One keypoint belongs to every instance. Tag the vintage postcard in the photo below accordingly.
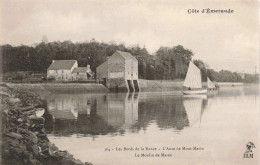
(129, 82)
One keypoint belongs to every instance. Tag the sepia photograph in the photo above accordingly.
(129, 82)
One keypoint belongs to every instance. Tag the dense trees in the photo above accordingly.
(221, 76)
(172, 63)
(168, 63)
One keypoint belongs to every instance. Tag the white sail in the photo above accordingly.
(210, 83)
(193, 77)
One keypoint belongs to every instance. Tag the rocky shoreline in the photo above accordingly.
(24, 140)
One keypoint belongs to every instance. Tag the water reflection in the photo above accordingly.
(118, 110)
(68, 106)
(194, 106)
(155, 120)
(103, 114)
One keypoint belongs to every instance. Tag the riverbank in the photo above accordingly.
(24, 140)
(61, 87)
(176, 86)
(145, 86)
(160, 85)
(230, 83)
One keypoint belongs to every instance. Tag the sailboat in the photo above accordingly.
(212, 88)
(210, 84)
(193, 81)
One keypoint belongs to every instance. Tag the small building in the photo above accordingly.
(68, 70)
(119, 72)
(61, 70)
(82, 73)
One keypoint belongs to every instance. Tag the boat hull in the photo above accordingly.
(194, 92)
(196, 96)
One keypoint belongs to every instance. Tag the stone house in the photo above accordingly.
(119, 72)
(82, 73)
(68, 70)
(61, 70)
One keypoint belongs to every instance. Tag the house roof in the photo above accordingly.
(103, 65)
(80, 70)
(62, 64)
(126, 55)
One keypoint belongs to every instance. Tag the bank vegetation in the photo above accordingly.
(167, 63)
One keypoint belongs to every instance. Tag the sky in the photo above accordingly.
(223, 41)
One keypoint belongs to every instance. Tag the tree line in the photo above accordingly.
(168, 63)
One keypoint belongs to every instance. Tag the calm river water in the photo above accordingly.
(156, 128)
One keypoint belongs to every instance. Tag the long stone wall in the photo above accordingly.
(62, 87)
(113, 85)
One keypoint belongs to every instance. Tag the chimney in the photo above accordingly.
(53, 61)
(88, 66)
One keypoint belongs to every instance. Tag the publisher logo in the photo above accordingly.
(249, 152)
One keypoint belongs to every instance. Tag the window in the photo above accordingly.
(77, 73)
